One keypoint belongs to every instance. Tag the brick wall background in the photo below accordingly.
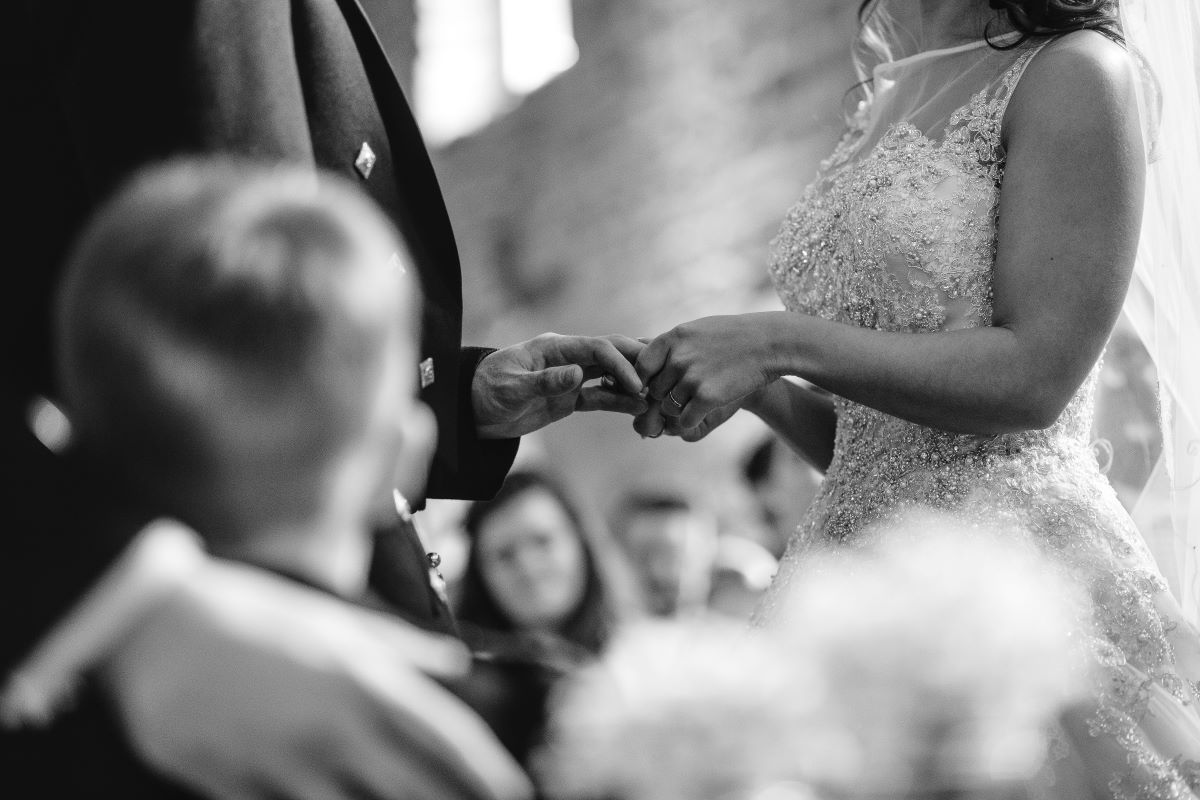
(640, 189)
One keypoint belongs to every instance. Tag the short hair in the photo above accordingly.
(643, 501)
(219, 316)
(652, 500)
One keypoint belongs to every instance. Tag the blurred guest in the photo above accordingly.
(670, 544)
(784, 485)
(537, 567)
(538, 598)
(238, 351)
(742, 571)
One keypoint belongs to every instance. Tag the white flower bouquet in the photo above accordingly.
(935, 661)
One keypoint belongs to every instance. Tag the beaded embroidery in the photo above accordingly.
(904, 239)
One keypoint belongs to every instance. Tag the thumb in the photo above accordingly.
(556, 381)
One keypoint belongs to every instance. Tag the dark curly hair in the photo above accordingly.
(1036, 19)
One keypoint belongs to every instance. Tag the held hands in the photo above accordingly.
(527, 386)
(698, 374)
(686, 382)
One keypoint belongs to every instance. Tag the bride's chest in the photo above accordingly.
(902, 238)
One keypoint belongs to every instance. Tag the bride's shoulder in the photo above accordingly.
(1076, 80)
(1080, 53)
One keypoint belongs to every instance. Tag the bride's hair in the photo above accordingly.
(1047, 18)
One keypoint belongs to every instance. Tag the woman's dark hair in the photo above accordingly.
(590, 625)
(1036, 19)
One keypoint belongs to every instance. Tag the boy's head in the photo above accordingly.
(240, 343)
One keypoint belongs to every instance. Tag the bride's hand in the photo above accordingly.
(654, 423)
(702, 371)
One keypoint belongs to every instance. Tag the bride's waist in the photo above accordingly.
(872, 439)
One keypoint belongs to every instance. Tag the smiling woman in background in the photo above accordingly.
(538, 579)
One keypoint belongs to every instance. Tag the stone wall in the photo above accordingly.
(640, 189)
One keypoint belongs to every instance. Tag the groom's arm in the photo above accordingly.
(480, 464)
(504, 394)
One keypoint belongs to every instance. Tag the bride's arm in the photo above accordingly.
(1070, 210)
(802, 417)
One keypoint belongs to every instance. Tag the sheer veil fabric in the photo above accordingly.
(939, 74)
(1164, 299)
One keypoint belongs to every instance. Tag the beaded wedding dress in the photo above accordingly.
(898, 233)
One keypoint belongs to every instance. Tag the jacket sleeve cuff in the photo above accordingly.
(482, 463)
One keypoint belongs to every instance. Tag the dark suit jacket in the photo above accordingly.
(91, 91)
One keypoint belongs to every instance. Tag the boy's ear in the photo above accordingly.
(414, 443)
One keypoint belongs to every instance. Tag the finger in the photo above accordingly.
(610, 359)
(673, 403)
(629, 350)
(652, 359)
(557, 381)
(710, 423)
(671, 427)
(699, 408)
(628, 347)
(650, 424)
(696, 409)
(667, 380)
(598, 398)
(697, 433)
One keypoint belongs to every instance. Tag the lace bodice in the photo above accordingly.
(903, 238)
(898, 233)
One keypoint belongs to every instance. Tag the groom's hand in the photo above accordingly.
(527, 386)
(654, 423)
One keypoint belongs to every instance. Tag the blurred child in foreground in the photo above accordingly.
(264, 336)
(238, 348)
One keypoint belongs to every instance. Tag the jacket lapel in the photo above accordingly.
(415, 171)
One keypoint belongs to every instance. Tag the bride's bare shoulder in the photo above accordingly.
(1075, 83)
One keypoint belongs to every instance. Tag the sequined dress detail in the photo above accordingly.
(900, 236)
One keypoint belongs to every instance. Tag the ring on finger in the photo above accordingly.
(672, 398)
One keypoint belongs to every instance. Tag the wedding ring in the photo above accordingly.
(671, 397)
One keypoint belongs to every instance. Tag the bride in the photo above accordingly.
(950, 281)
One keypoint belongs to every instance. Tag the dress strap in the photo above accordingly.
(1008, 83)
